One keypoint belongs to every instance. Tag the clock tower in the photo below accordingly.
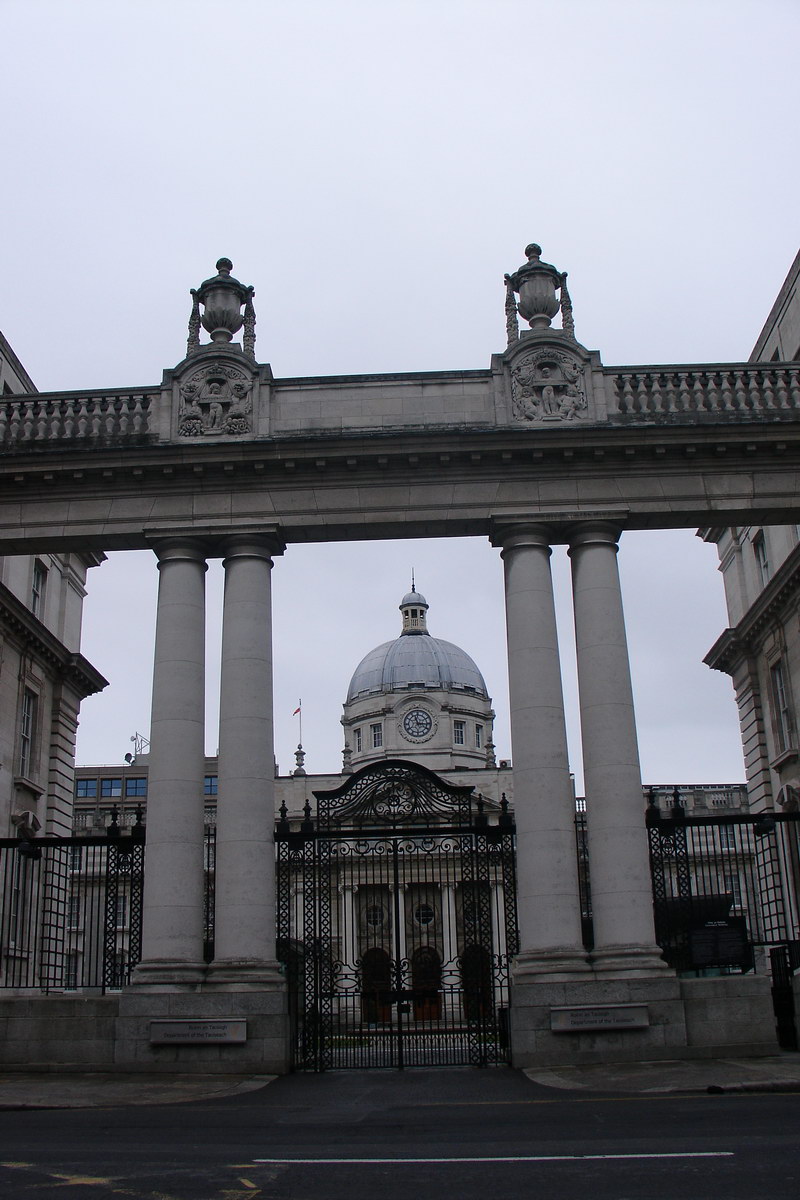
(420, 698)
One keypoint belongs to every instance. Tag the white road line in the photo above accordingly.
(511, 1158)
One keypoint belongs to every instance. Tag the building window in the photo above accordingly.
(75, 858)
(781, 710)
(727, 837)
(71, 971)
(27, 727)
(120, 914)
(732, 885)
(478, 736)
(359, 741)
(74, 912)
(459, 732)
(762, 562)
(110, 789)
(376, 733)
(86, 789)
(136, 787)
(210, 785)
(38, 584)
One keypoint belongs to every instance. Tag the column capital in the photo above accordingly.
(516, 534)
(181, 549)
(594, 533)
(252, 545)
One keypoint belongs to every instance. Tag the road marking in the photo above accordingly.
(510, 1158)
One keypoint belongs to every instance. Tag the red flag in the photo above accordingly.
(296, 711)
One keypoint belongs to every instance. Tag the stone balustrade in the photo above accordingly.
(69, 416)
(738, 391)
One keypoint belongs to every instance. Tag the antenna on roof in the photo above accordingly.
(413, 587)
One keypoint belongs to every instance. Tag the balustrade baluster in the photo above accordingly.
(68, 427)
(94, 409)
(794, 387)
(56, 410)
(656, 397)
(767, 390)
(40, 431)
(4, 415)
(712, 398)
(739, 391)
(753, 391)
(727, 392)
(28, 418)
(699, 393)
(139, 414)
(82, 417)
(123, 422)
(669, 380)
(625, 402)
(684, 392)
(642, 396)
(16, 419)
(109, 409)
(781, 387)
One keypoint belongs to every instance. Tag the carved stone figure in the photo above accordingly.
(215, 399)
(547, 385)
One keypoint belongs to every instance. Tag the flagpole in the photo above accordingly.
(300, 715)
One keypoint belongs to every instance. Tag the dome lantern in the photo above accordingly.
(414, 607)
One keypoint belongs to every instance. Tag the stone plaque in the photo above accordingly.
(599, 1017)
(186, 1032)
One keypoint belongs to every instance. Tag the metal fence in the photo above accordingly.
(70, 912)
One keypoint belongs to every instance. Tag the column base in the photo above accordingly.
(244, 975)
(628, 962)
(165, 975)
(555, 965)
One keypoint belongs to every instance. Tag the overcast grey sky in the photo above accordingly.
(373, 169)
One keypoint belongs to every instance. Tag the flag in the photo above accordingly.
(296, 711)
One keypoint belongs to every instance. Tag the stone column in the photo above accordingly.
(172, 934)
(544, 805)
(619, 871)
(244, 928)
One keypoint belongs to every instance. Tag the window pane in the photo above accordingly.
(135, 787)
(86, 788)
(210, 785)
(110, 787)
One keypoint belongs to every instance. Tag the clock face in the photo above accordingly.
(417, 723)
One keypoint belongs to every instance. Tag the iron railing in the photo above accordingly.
(70, 912)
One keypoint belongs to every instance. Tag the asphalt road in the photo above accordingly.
(469, 1135)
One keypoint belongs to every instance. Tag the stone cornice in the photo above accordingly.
(36, 639)
(735, 644)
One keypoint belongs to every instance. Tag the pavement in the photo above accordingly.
(111, 1089)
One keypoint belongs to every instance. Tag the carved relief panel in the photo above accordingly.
(548, 384)
(216, 399)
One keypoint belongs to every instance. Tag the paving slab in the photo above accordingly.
(99, 1089)
(771, 1073)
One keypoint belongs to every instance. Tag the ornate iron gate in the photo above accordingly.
(396, 923)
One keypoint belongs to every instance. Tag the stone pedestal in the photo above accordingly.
(595, 1021)
(205, 1031)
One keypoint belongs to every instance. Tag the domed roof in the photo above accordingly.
(414, 597)
(416, 661)
(409, 662)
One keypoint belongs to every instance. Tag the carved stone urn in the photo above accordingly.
(536, 283)
(222, 298)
